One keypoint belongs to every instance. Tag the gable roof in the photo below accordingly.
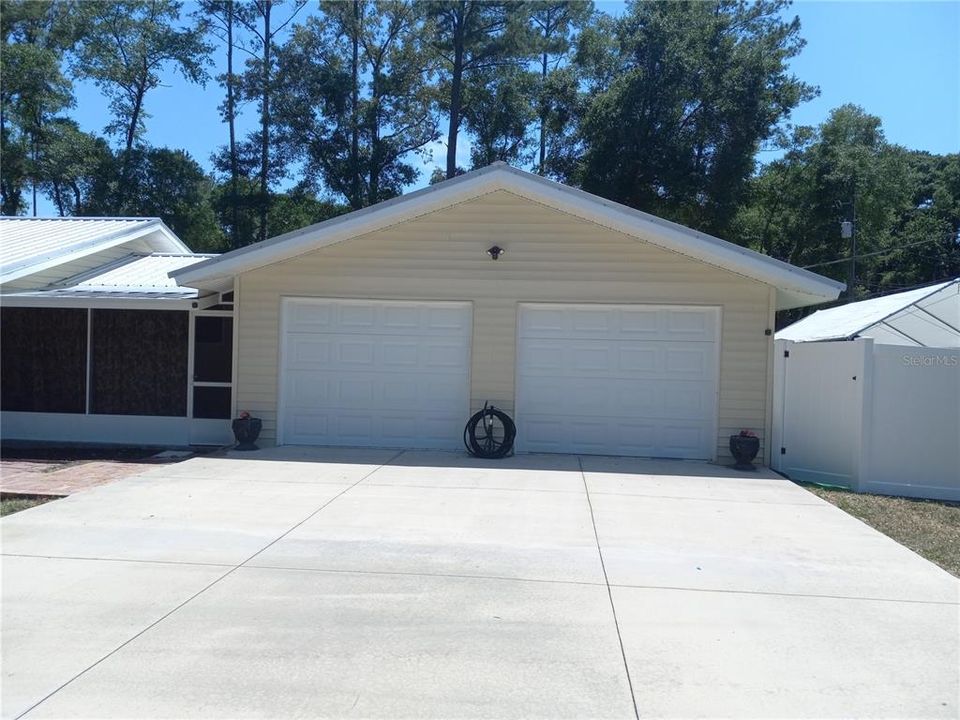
(29, 245)
(795, 287)
(925, 317)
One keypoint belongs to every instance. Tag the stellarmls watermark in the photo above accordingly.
(931, 360)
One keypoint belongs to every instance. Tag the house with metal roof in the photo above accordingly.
(602, 329)
(99, 344)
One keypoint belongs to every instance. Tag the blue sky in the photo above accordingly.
(899, 60)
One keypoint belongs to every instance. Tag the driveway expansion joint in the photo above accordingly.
(473, 487)
(710, 499)
(398, 573)
(117, 559)
(771, 593)
(201, 591)
(606, 580)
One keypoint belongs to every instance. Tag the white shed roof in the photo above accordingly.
(133, 277)
(29, 245)
(925, 317)
(795, 287)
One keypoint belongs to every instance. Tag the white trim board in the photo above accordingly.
(106, 302)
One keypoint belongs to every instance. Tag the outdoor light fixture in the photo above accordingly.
(495, 252)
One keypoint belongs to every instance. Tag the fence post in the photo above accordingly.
(778, 433)
(864, 395)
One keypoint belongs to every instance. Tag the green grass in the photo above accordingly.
(16, 504)
(928, 527)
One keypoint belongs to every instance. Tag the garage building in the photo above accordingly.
(600, 328)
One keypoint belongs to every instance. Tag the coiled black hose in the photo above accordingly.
(489, 433)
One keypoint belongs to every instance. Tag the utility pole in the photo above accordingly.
(848, 230)
(853, 247)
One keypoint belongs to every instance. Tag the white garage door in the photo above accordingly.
(374, 373)
(618, 379)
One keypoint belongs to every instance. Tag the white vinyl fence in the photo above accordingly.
(873, 418)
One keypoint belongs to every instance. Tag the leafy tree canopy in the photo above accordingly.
(684, 93)
(906, 205)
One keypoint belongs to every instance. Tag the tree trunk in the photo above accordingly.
(356, 199)
(231, 121)
(76, 198)
(456, 90)
(373, 194)
(265, 121)
(543, 114)
(128, 149)
(33, 173)
(58, 198)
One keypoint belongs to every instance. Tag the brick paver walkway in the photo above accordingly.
(58, 477)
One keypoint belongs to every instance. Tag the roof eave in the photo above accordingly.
(170, 243)
(105, 301)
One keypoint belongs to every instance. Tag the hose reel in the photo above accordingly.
(489, 433)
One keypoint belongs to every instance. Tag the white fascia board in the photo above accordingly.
(795, 286)
(107, 303)
(168, 243)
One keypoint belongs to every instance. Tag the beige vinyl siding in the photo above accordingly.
(550, 257)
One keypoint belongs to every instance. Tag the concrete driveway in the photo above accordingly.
(365, 583)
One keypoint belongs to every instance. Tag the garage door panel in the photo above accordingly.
(401, 354)
(646, 322)
(640, 358)
(577, 359)
(373, 317)
(370, 392)
(304, 317)
(617, 379)
(309, 390)
(615, 437)
(304, 352)
(537, 356)
(306, 425)
(639, 323)
(355, 353)
(689, 325)
(374, 353)
(375, 373)
(406, 429)
(678, 439)
(619, 398)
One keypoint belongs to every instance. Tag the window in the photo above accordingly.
(211, 402)
(139, 362)
(43, 359)
(212, 366)
(213, 349)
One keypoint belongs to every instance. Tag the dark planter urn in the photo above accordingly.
(246, 430)
(744, 449)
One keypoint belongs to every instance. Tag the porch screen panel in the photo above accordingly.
(139, 362)
(43, 359)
